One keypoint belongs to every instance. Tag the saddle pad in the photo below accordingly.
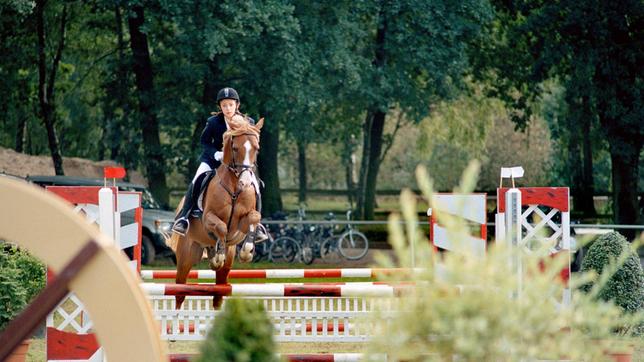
(202, 181)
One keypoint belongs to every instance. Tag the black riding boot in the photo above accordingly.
(260, 232)
(181, 222)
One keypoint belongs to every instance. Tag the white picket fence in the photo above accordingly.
(295, 319)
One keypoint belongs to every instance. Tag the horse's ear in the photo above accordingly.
(260, 123)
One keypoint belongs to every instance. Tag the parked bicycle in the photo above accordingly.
(284, 248)
(351, 244)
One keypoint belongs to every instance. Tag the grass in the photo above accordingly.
(37, 349)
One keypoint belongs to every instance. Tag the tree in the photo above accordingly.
(142, 68)
(418, 55)
(46, 83)
(594, 49)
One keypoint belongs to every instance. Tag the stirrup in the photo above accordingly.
(260, 233)
(178, 226)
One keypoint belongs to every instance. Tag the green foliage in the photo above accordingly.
(479, 308)
(33, 273)
(625, 287)
(13, 293)
(22, 276)
(241, 333)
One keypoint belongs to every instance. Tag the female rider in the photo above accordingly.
(212, 142)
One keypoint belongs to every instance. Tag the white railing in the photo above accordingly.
(296, 319)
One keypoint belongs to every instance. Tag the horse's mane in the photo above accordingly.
(238, 127)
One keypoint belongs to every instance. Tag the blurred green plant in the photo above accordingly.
(480, 308)
(22, 276)
(241, 333)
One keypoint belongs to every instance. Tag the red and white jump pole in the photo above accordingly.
(277, 290)
(279, 273)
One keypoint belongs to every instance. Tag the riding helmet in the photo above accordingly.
(227, 93)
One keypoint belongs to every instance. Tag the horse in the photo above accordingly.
(229, 211)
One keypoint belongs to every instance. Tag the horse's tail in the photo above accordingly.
(172, 239)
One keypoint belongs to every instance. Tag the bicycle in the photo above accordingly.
(351, 244)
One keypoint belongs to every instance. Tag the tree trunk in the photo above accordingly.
(301, 166)
(364, 165)
(575, 170)
(347, 159)
(21, 130)
(208, 100)
(142, 66)
(46, 85)
(586, 203)
(377, 129)
(624, 154)
(268, 171)
(373, 129)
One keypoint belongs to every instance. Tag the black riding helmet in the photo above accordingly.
(227, 93)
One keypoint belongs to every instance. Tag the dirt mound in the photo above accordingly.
(20, 164)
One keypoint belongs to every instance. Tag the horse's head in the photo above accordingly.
(241, 146)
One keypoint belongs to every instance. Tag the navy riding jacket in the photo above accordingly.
(212, 139)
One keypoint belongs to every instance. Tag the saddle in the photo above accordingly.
(201, 184)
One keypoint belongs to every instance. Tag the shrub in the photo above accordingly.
(485, 309)
(626, 286)
(22, 277)
(242, 332)
(12, 292)
(33, 273)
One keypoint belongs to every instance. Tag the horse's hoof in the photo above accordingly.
(245, 257)
(248, 247)
(217, 261)
(246, 252)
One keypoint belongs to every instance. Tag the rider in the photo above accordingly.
(212, 142)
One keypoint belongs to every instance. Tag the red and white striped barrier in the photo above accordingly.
(276, 290)
(539, 214)
(104, 206)
(277, 273)
(321, 357)
(470, 207)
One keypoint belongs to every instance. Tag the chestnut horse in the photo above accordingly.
(229, 211)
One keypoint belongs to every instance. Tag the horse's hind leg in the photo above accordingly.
(188, 253)
(222, 274)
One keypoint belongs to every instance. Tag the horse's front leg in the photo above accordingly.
(248, 225)
(217, 231)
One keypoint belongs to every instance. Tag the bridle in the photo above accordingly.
(236, 169)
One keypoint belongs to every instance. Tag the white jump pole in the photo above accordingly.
(512, 230)
(106, 212)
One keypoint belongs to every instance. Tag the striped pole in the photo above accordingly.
(279, 273)
(276, 290)
(321, 283)
(312, 357)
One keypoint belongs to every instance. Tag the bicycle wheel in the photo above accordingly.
(284, 250)
(329, 251)
(308, 255)
(353, 245)
(261, 251)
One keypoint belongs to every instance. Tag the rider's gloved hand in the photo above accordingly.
(219, 155)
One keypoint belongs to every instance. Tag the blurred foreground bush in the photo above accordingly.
(470, 308)
(241, 333)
